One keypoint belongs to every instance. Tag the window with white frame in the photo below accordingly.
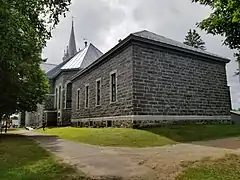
(98, 92)
(68, 102)
(113, 87)
(56, 98)
(78, 99)
(59, 97)
(87, 96)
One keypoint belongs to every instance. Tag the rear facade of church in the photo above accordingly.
(148, 79)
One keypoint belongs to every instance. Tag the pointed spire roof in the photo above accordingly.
(72, 49)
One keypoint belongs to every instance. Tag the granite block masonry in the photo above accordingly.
(158, 81)
(145, 80)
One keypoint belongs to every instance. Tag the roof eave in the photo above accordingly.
(137, 38)
(142, 39)
(62, 70)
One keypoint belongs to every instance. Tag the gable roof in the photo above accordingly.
(55, 71)
(47, 66)
(152, 38)
(84, 58)
(167, 41)
(79, 61)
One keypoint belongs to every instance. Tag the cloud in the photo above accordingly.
(92, 20)
(104, 22)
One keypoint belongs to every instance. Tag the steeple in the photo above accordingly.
(72, 50)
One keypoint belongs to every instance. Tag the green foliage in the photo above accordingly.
(25, 26)
(224, 20)
(194, 39)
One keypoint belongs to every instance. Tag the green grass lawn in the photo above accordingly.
(157, 136)
(110, 136)
(23, 159)
(227, 168)
(188, 133)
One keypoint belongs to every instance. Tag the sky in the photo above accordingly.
(104, 22)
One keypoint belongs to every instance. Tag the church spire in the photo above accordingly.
(72, 50)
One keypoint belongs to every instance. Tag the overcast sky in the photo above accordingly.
(104, 22)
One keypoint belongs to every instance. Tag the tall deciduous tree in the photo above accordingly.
(25, 26)
(224, 21)
(194, 39)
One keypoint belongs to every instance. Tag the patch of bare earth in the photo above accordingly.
(164, 163)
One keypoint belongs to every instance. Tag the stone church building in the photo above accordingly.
(145, 79)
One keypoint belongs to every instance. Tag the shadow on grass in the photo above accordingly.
(22, 158)
(191, 133)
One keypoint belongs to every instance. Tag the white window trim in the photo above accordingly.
(86, 85)
(56, 98)
(99, 79)
(110, 85)
(59, 94)
(78, 94)
(65, 105)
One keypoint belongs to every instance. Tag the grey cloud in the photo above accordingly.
(92, 20)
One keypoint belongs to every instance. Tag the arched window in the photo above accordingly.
(69, 96)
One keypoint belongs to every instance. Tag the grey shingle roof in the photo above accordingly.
(55, 71)
(159, 40)
(79, 61)
(47, 66)
(155, 37)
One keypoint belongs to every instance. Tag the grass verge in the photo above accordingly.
(21, 158)
(14, 129)
(110, 136)
(157, 136)
(226, 168)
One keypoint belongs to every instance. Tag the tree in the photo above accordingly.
(224, 21)
(25, 26)
(194, 39)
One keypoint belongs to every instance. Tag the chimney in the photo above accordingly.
(85, 42)
(119, 40)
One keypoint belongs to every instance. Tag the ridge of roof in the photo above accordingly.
(49, 63)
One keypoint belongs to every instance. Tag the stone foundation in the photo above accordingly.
(148, 121)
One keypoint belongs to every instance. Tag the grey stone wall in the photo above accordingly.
(170, 83)
(35, 118)
(62, 79)
(49, 102)
(120, 61)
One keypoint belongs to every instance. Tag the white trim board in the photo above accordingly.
(179, 118)
(154, 118)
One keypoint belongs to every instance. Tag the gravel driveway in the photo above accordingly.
(132, 163)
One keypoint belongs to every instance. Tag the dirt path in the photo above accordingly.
(131, 163)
